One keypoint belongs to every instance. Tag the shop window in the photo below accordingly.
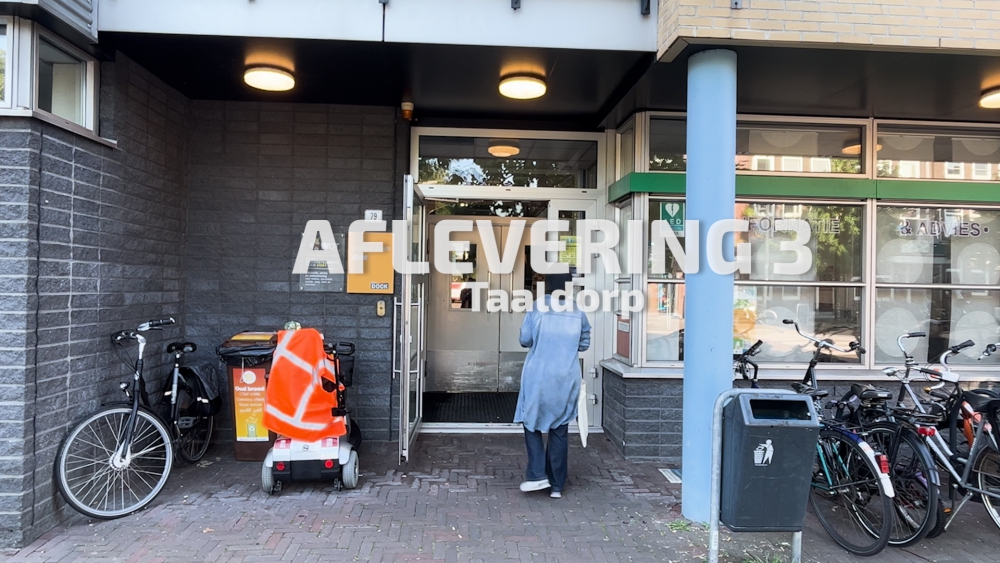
(840, 145)
(936, 271)
(825, 300)
(942, 154)
(527, 163)
(461, 289)
(667, 145)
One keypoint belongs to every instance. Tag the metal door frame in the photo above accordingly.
(403, 324)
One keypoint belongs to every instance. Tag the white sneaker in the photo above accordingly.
(529, 486)
(555, 494)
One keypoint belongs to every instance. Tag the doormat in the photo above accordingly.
(673, 475)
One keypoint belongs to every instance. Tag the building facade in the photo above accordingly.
(144, 177)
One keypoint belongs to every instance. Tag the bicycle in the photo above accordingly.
(981, 460)
(116, 460)
(742, 364)
(851, 493)
(189, 411)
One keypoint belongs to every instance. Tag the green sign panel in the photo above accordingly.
(673, 213)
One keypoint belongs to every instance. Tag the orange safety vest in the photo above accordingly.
(296, 405)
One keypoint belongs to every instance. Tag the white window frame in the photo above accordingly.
(762, 158)
(948, 174)
(89, 94)
(976, 175)
(796, 161)
(824, 163)
(908, 165)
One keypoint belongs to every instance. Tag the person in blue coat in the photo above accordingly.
(555, 331)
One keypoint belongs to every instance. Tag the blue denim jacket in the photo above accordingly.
(550, 380)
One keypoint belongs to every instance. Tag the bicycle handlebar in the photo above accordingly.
(990, 349)
(154, 324)
(825, 343)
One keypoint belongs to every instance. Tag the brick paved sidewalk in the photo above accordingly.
(457, 501)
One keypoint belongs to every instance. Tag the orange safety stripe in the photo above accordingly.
(296, 405)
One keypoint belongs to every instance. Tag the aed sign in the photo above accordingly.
(377, 274)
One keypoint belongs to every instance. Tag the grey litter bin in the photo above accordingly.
(768, 448)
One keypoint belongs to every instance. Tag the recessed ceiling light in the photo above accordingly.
(523, 87)
(269, 78)
(504, 148)
(990, 99)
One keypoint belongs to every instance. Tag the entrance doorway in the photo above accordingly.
(474, 359)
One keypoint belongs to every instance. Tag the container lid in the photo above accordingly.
(257, 336)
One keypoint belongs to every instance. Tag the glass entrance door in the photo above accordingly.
(572, 211)
(408, 328)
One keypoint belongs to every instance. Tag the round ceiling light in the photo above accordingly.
(269, 78)
(990, 99)
(523, 87)
(504, 149)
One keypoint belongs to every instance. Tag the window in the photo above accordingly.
(791, 164)
(667, 145)
(529, 163)
(821, 165)
(954, 170)
(943, 154)
(61, 82)
(839, 145)
(937, 271)
(763, 163)
(981, 171)
(4, 63)
(626, 156)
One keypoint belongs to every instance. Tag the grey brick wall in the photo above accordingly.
(258, 172)
(101, 231)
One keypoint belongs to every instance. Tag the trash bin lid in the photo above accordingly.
(255, 336)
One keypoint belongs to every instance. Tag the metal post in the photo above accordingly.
(710, 197)
(716, 475)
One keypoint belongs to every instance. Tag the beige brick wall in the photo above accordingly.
(951, 24)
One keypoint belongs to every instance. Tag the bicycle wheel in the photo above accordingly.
(193, 431)
(987, 471)
(90, 478)
(912, 472)
(847, 497)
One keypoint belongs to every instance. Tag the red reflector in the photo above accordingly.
(883, 463)
(282, 444)
(329, 464)
(280, 466)
(926, 431)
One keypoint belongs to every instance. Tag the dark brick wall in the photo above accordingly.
(258, 172)
(642, 417)
(93, 244)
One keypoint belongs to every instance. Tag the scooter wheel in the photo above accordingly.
(349, 473)
(266, 479)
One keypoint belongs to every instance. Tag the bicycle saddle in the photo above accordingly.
(977, 401)
(869, 393)
(186, 347)
(806, 390)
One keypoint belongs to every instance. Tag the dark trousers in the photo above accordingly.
(548, 462)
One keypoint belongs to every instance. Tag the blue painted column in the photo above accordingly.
(708, 309)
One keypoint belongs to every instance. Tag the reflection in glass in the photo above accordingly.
(461, 291)
(474, 161)
(490, 208)
(934, 245)
(836, 240)
(784, 147)
(948, 316)
(3, 61)
(667, 145)
(943, 154)
(626, 158)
